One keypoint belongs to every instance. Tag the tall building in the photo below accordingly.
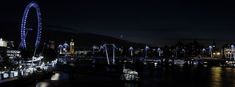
(72, 47)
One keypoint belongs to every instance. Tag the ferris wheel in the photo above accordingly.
(24, 30)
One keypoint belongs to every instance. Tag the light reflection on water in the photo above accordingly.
(171, 77)
(192, 77)
(222, 77)
(216, 78)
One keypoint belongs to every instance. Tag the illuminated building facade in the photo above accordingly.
(229, 52)
(3, 43)
(72, 47)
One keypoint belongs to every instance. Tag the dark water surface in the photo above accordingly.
(84, 74)
(101, 76)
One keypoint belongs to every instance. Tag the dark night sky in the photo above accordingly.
(154, 22)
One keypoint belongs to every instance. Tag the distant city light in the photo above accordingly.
(218, 53)
(3, 43)
(232, 46)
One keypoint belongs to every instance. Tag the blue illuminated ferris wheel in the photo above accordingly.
(24, 30)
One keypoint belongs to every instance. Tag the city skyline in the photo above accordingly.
(117, 43)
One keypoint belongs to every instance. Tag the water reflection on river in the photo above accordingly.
(216, 78)
(154, 77)
(222, 77)
(187, 77)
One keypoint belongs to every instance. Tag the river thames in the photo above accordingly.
(83, 75)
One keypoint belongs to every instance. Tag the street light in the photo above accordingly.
(93, 49)
(203, 51)
(159, 51)
(210, 47)
(146, 51)
(131, 50)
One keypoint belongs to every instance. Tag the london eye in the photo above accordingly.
(25, 30)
